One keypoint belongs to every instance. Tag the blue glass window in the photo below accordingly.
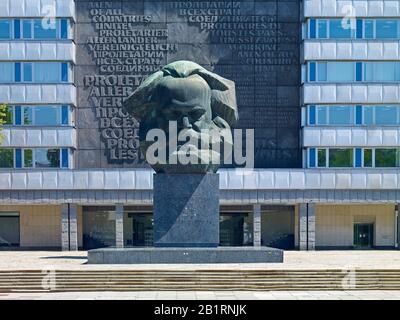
(18, 115)
(64, 158)
(359, 32)
(358, 157)
(340, 115)
(322, 115)
(386, 29)
(312, 71)
(46, 115)
(386, 115)
(27, 72)
(368, 29)
(18, 158)
(6, 72)
(368, 115)
(64, 72)
(312, 157)
(47, 72)
(358, 114)
(322, 29)
(336, 71)
(64, 115)
(386, 71)
(312, 114)
(5, 29)
(322, 71)
(27, 29)
(64, 29)
(17, 29)
(43, 29)
(17, 71)
(339, 31)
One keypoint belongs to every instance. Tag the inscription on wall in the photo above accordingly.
(254, 43)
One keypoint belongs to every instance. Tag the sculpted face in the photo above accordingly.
(186, 101)
(180, 99)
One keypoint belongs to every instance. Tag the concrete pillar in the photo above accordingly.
(73, 227)
(69, 227)
(311, 227)
(302, 226)
(64, 227)
(257, 225)
(119, 226)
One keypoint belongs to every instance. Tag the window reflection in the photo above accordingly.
(98, 227)
(6, 158)
(47, 158)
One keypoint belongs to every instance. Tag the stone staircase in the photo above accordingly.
(215, 280)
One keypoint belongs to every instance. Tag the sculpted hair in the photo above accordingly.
(223, 96)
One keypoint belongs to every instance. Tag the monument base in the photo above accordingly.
(185, 255)
(186, 210)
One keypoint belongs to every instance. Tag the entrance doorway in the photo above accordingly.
(9, 229)
(141, 230)
(363, 235)
(235, 229)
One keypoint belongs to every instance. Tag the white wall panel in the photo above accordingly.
(37, 8)
(350, 93)
(351, 137)
(265, 179)
(362, 8)
(351, 50)
(39, 137)
(38, 93)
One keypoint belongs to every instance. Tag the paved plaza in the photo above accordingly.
(301, 260)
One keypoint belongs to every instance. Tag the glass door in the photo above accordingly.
(363, 235)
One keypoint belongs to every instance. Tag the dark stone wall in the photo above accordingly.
(254, 43)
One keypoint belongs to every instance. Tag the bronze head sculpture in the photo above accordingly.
(185, 96)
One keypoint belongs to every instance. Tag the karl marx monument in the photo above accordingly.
(185, 114)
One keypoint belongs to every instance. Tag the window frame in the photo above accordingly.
(353, 150)
(59, 108)
(374, 21)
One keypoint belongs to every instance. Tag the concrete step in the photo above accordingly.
(139, 280)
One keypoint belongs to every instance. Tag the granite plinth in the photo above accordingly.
(185, 255)
(186, 210)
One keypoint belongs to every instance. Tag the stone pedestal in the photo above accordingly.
(185, 255)
(186, 210)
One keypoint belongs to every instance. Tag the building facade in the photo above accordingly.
(317, 80)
